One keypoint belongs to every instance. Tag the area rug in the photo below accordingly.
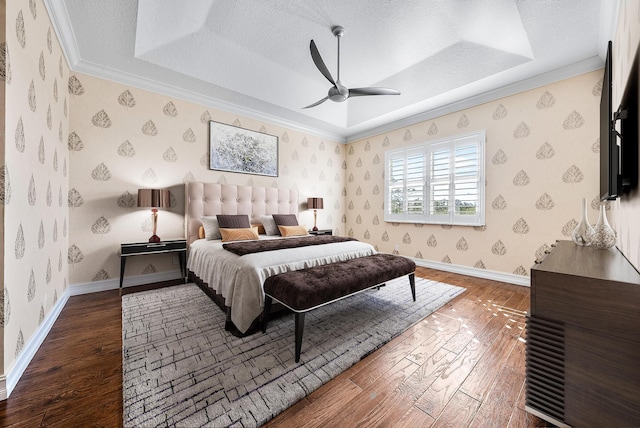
(181, 368)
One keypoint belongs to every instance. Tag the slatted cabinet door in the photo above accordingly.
(583, 339)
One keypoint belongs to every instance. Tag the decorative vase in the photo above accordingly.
(583, 233)
(603, 236)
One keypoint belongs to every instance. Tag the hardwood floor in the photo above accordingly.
(461, 366)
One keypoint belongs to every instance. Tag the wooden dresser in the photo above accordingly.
(583, 338)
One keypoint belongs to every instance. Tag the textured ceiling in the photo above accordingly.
(252, 56)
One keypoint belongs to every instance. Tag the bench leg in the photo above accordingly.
(265, 313)
(299, 328)
(412, 282)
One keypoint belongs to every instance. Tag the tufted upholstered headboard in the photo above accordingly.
(212, 198)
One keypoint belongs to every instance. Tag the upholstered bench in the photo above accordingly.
(307, 289)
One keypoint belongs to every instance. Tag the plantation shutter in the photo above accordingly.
(405, 184)
(440, 182)
(415, 173)
(466, 179)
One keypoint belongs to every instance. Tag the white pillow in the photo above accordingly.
(270, 227)
(211, 228)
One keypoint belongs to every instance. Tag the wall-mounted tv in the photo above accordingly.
(628, 117)
(610, 182)
(619, 133)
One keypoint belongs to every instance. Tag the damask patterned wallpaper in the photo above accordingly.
(542, 157)
(35, 173)
(123, 138)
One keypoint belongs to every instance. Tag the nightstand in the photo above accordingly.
(141, 248)
(321, 232)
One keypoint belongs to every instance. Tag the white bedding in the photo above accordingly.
(239, 279)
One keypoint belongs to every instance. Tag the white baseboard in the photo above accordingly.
(475, 272)
(8, 383)
(3, 388)
(32, 346)
(130, 281)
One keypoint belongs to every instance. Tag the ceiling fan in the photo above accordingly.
(338, 92)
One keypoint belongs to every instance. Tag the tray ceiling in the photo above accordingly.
(252, 57)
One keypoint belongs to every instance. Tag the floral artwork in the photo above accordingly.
(240, 150)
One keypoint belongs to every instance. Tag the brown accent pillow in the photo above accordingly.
(285, 219)
(237, 221)
(235, 234)
(293, 230)
(201, 232)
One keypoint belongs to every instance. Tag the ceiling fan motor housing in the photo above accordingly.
(338, 93)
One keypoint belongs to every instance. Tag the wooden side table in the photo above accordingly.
(141, 248)
(321, 232)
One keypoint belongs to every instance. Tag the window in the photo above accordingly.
(440, 182)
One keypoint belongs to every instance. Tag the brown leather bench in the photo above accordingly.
(307, 289)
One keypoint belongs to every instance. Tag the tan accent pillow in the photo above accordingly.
(300, 230)
(250, 234)
(201, 232)
(260, 227)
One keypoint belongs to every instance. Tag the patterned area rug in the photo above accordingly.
(181, 368)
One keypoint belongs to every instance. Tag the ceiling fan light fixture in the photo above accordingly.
(338, 92)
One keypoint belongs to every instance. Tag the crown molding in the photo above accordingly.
(129, 79)
(62, 27)
(61, 24)
(588, 65)
(572, 70)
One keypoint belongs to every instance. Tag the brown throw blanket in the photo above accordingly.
(249, 247)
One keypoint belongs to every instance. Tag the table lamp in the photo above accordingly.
(314, 204)
(154, 198)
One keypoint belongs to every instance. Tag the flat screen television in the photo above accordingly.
(619, 135)
(610, 180)
(628, 116)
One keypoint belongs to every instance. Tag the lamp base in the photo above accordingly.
(315, 228)
(155, 239)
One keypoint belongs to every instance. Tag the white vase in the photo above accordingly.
(583, 233)
(603, 236)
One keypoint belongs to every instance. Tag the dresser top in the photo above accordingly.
(571, 259)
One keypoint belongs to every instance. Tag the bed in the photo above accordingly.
(235, 282)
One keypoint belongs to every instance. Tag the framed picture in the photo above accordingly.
(236, 149)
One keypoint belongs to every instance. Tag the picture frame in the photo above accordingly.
(236, 149)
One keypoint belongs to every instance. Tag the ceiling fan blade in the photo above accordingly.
(317, 103)
(360, 92)
(317, 59)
